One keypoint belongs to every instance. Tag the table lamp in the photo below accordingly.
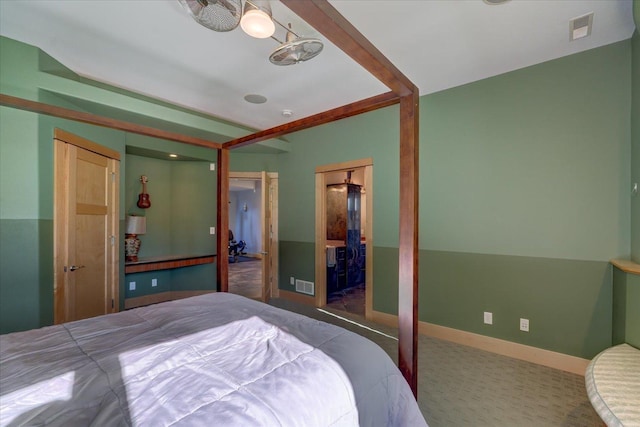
(134, 225)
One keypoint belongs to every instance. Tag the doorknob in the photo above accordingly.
(74, 268)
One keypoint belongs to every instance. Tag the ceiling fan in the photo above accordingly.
(295, 49)
(256, 20)
(217, 15)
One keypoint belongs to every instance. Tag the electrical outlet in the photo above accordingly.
(292, 281)
(488, 318)
(524, 325)
(132, 286)
(154, 282)
(212, 230)
(212, 166)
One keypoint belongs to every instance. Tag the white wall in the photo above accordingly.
(247, 224)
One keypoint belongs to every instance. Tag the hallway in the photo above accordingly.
(245, 277)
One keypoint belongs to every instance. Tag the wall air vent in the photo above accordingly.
(305, 287)
(580, 27)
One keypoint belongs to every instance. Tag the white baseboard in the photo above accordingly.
(528, 353)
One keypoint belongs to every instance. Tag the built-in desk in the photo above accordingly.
(166, 262)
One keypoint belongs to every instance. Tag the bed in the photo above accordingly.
(215, 359)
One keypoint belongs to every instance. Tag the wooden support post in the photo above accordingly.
(222, 221)
(408, 241)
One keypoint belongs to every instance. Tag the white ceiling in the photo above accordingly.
(153, 47)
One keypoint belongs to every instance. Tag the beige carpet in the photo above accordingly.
(464, 386)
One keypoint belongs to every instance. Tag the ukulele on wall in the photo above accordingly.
(143, 198)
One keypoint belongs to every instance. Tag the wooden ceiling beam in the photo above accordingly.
(359, 107)
(92, 119)
(332, 25)
(322, 16)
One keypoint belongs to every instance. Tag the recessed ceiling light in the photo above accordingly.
(495, 2)
(255, 99)
(173, 155)
(287, 113)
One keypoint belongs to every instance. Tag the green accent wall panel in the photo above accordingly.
(533, 162)
(374, 135)
(385, 279)
(45, 270)
(635, 137)
(297, 260)
(195, 278)
(633, 310)
(20, 290)
(619, 327)
(19, 175)
(19, 66)
(193, 208)
(157, 240)
(143, 283)
(626, 308)
(247, 162)
(568, 302)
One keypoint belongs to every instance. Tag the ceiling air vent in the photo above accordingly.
(580, 27)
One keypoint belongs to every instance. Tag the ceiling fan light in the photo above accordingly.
(256, 22)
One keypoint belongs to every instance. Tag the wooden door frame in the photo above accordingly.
(273, 177)
(321, 229)
(60, 232)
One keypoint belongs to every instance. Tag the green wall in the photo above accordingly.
(524, 184)
(183, 207)
(635, 135)
(524, 192)
(26, 179)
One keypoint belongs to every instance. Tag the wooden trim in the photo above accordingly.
(87, 209)
(552, 359)
(78, 141)
(368, 232)
(626, 265)
(321, 227)
(297, 297)
(273, 177)
(321, 241)
(92, 119)
(251, 175)
(408, 259)
(350, 164)
(222, 221)
(160, 297)
(165, 263)
(113, 273)
(359, 107)
(322, 16)
(60, 235)
(275, 239)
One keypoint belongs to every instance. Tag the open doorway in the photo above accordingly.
(253, 234)
(344, 237)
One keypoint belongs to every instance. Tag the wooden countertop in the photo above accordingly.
(626, 265)
(166, 262)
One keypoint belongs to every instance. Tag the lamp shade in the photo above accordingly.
(136, 224)
(256, 20)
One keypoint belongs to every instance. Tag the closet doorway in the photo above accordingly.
(342, 254)
(253, 234)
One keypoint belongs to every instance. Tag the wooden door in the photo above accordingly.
(85, 228)
(267, 237)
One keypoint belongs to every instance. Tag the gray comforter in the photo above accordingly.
(217, 359)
